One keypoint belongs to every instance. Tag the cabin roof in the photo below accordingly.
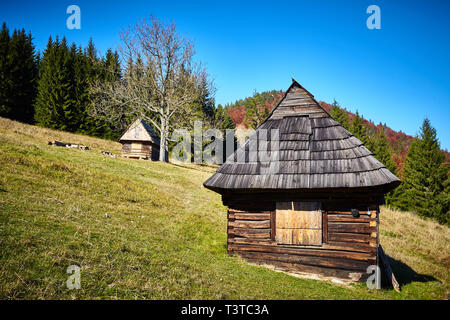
(140, 131)
(314, 152)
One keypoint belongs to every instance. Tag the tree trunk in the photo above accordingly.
(163, 151)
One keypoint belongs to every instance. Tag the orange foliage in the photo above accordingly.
(237, 114)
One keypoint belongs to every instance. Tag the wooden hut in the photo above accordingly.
(315, 209)
(140, 142)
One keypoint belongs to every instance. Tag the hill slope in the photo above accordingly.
(165, 235)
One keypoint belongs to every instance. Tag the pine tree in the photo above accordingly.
(340, 115)
(358, 129)
(43, 114)
(23, 74)
(79, 90)
(5, 73)
(383, 152)
(70, 115)
(425, 181)
(111, 66)
(18, 71)
(52, 101)
(222, 118)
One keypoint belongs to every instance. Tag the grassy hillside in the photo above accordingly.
(150, 230)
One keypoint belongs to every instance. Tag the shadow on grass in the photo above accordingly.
(405, 274)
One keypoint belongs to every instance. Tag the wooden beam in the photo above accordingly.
(359, 256)
(350, 227)
(249, 216)
(257, 224)
(387, 269)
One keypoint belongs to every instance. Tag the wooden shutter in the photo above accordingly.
(299, 223)
(136, 147)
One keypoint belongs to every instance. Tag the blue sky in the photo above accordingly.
(396, 75)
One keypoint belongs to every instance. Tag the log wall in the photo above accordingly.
(349, 243)
(148, 151)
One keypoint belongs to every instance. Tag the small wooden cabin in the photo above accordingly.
(140, 142)
(316, 208)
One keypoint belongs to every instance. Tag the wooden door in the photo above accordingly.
(298, 223)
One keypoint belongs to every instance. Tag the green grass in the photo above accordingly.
(165, 237)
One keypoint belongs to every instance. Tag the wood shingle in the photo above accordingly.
(311, 151)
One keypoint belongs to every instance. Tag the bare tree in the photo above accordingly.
(161, 79)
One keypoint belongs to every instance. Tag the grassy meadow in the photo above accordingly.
(149, 230)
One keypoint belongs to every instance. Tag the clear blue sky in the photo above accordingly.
(397, 75)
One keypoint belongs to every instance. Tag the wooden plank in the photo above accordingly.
(360, 256)
(343, 246)
(351, 246)
(258, 224)
(296, 236)
(262, 242)
(387, 269)
(230, 233)
(348, 237)
(300, 268)
(273, 224)
(324, 227)
(307, 215)
(308, 260)
(283, 210)
(251, 233)
(231, 210)
(346, 218)
(350, 227)
(250, 216)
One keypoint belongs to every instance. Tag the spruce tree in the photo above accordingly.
(23, 75)
(339, 114)
(425, 182)
(106, 70)
(222, 118)
(69, 116)
(358, 129)
(5, 73)
(111, 66)
(383, 152)
(18, 71)
(52, 88)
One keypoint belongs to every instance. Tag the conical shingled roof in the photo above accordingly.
(315, 152)
(140, 131)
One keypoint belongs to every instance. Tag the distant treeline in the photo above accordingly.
(51, 89)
